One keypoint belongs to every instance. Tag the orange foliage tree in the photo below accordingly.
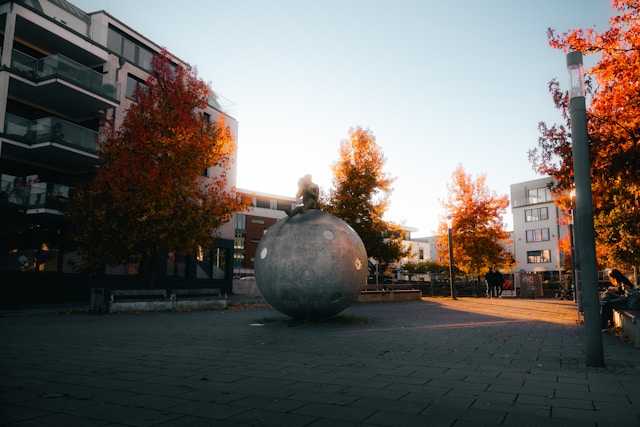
(149, 196)
(479, 237)
(614, 131)
(360, 195)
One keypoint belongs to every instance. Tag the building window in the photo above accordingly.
(144, 58)
(133, 84)
(206, 117)
(538, 235)
(421, 254)
(261, 203)
(283, 206)
(239, 223)
(131, 50)
(238, 243)
(537, 214)
(538, 195)
(539, 257)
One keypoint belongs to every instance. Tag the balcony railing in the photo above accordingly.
(51, 129)
(65, 68)
(221, 103)
(45, 195)
(35, 195)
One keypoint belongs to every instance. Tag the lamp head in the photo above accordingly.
(576, 74)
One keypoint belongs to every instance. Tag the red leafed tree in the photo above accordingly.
(150, 196)
(614, 132)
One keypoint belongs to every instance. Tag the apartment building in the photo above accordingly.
(249, 226)
(538, 227)
(61, 70)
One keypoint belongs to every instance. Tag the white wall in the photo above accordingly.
(520, 226)
(65, 17)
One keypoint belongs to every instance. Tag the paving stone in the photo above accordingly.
(405, 406)
(261, 417)
(66, 420)
(572, 403)
(343, 413)
(15, 413)
(389, 418)
(394, 394)
(58, 404)
(515, 419)
(123, 415)
(325, 422)
(276, 405)
(483, 416)
(321, 397)
(206, 410)
(188, 421)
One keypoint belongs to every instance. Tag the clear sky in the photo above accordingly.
(440, 83)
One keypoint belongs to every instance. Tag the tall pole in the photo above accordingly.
(575, 256)
(453, 293)
(584, 212)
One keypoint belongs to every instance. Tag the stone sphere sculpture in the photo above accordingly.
(311, 266)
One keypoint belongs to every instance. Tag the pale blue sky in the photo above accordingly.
(438, 82)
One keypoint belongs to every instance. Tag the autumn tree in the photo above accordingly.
(477, 229)
(149, 196)
(613, 86)
(360, 195)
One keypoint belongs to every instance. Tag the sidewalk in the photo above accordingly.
(436, 362)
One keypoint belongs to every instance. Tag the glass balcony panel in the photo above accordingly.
(23, 63)
(46, 195)
(51, 129)
(13, 189)
(65, 68)
(18, 127)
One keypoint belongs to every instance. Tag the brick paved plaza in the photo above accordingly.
(430, 363)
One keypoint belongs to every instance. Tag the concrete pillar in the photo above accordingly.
(5, 61)
(9, 31)
(4, 91)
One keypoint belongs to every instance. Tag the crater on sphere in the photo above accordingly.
(312, 265)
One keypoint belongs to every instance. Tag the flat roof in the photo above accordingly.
(266, 195)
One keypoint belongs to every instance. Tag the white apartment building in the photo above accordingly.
(61, 69)
(537, 229)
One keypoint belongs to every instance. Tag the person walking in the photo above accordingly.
(490, 278)
(499, 278)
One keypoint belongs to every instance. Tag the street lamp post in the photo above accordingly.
(584, 211)
(575, 265)
(449, 226)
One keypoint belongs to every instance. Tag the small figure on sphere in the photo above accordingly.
(309, 192)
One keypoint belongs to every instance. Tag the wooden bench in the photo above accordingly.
(629, 322)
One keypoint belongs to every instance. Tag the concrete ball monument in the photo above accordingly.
(310, 265)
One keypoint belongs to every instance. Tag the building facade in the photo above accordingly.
(61, 70)
(249, 226)
(538, 227)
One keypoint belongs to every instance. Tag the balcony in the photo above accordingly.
(60, 84)
(49, 131)
(34, 197)
(59, 66)
(47, 197)
(220, 103)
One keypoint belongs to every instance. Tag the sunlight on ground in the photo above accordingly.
(542, 310)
